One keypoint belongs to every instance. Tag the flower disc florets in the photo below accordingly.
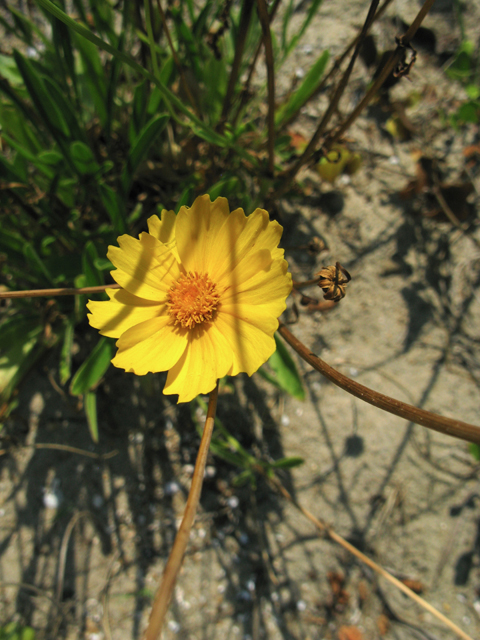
(200, 296)
(192, 300)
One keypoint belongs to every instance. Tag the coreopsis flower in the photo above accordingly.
(200, 296)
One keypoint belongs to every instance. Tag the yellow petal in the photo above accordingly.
(164, 229)
(154, 345)
(207, 357)
(197, 230)
(124, 310)
(145, 267)
(250, 345)
(268, 285)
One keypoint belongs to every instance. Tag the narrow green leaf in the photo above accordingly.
(140, 148)
(114, 207)
(94, 76)
(311, 12)
(20, 348)
(93, 276)
(90, 406)
(288, 463)
(304, 91)
(92, 370)
(65, 367)
(46, 107)
(285, 373)
(224, 187)
(83, 158)
(36, 263)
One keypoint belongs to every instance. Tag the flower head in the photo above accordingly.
(201, 296)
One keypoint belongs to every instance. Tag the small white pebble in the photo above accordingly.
(171, 488)
(476, 606)
(188, 469)
(2, 513)
(299, 412)
(210, 471)
(97, 501)
(394, 160)
(461, 597)
(222, 588)
(233, 502)
(51, 500)
(299, 73)
(174, 626)
(301, 605)
(201, 533)
(285, 420)
(251, 585)
(307, 49)
(274, 596)
(353, 372)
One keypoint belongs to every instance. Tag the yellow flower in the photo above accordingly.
(201, 296)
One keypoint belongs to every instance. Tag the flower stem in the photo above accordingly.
(451, 427)
(164, 593)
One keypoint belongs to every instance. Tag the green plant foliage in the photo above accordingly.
(100, 120)
(14, 631)
(284, 373)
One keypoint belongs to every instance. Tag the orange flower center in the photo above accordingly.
(192, 300)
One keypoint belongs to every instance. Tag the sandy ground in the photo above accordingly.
(98, 530)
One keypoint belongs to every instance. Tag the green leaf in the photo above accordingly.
(225, 187)
(92, 370)
(66, 352)
(20, 348)
(114, 207)
(46, 107)
(140, 148)
(36, 263)
(474, 450)
(9, 70)
(93, 76)
(288, 463)
(90, 406)
(83, 158)
(93, 277)
(304, 91)
(311, 12)
(285, 374)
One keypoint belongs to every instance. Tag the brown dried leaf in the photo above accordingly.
(349, 633)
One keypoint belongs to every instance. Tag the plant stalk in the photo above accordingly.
(165, 590)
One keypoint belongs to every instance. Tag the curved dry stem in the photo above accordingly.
(164, 592)
(449, 426)
(368, 561)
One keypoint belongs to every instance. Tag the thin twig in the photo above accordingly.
(165, 590)
(336, 66)
(47, 293)
(176, 60)
(63, 551)
(291, 173)
(449, 426)
(245, 90)
(106, 616)
(275, 482)
(245, 18)
(267, 40)
(69, 449)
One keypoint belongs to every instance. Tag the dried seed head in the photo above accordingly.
(315, 246)
(333, 281)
